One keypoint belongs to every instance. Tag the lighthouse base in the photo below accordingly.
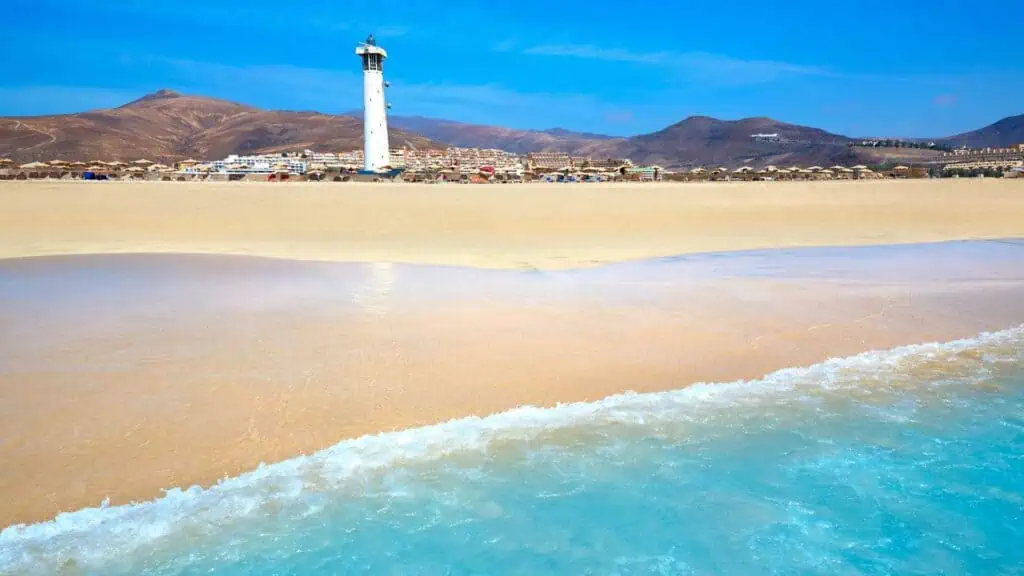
(389, 174)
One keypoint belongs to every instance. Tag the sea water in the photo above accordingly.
(907, 461)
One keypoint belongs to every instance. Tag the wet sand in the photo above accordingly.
(121, 376)
(525, 226)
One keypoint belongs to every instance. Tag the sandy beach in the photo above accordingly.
(541, 226)
(122, 376)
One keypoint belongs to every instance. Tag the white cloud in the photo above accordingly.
(591, 52)
(340, 91)
(706, 66)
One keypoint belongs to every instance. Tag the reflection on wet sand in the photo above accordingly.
(184, 369)
(374, 296)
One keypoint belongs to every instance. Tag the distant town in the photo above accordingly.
(475, 165)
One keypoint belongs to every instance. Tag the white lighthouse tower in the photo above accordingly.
(375, 118)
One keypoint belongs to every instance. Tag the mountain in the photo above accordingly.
(166, 126)
(508, 139)
(1002, 134)
(704, 141)
(696, 141)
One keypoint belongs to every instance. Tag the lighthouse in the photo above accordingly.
(375, 118)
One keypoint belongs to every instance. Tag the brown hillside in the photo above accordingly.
(704, 141)
(1004, 133)
(167, 126)
(508, 139)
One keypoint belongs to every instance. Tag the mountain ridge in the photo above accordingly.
(167, 125)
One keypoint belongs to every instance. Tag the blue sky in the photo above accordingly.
(877, 68)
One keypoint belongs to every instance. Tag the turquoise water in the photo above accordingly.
(909, 461)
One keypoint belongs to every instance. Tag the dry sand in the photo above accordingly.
(501, 226)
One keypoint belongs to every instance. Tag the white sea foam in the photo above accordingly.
(88, 538)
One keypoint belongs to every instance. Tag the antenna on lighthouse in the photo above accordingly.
(375, 123)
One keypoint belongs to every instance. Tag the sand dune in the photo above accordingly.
(513, 226)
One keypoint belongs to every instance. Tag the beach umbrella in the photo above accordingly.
(34, 165)
(142, 162)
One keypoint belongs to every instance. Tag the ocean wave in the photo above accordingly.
(87, 539)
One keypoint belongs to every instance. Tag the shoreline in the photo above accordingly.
(621, 398)
(523, 226)
(238, 372)
(59, 256)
